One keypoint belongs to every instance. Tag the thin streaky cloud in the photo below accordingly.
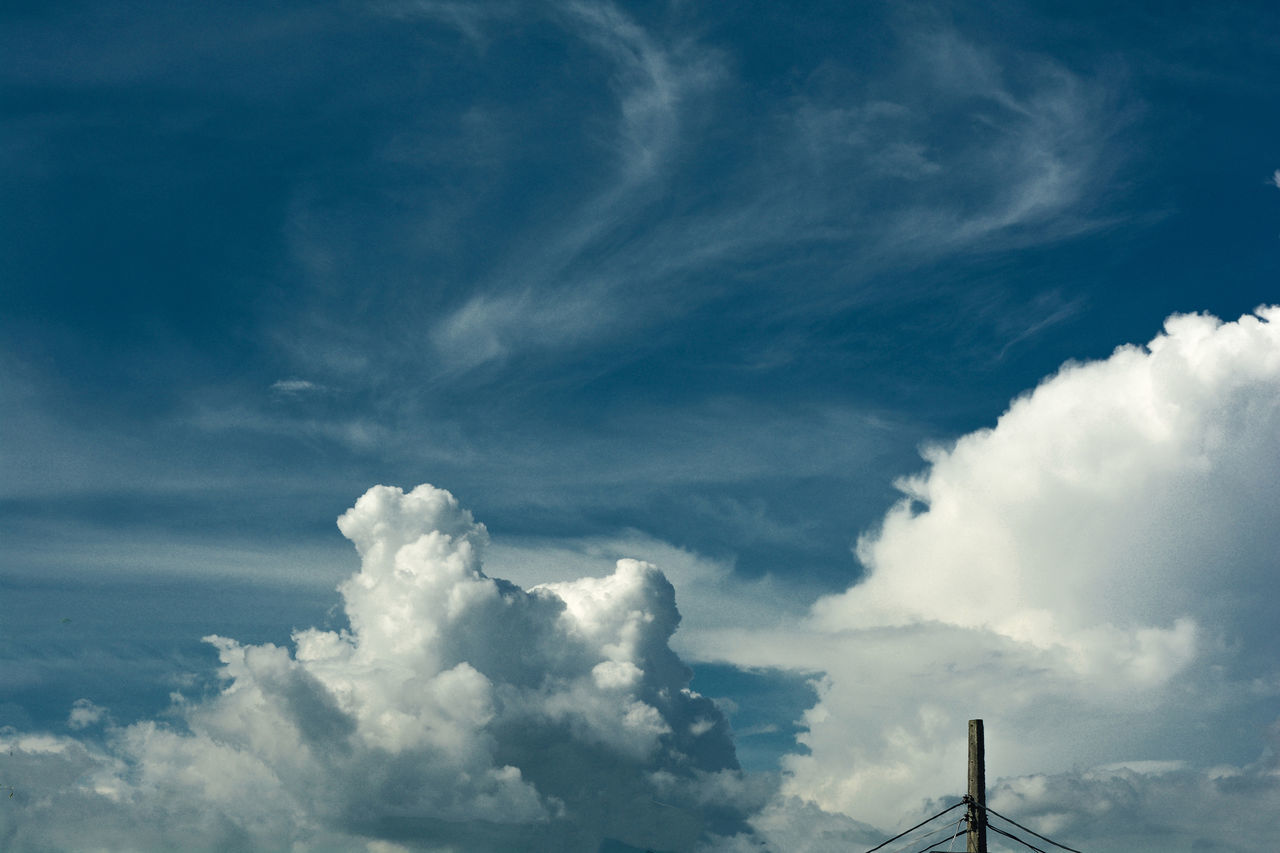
(295, 386)
(541, 301)
(866, 180)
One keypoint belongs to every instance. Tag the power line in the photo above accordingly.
(944, 828)
(935, 847)
(1032, 831)
(1015, 838)
(976, 818)
(914, 828)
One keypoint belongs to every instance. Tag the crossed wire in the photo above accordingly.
(960, 827)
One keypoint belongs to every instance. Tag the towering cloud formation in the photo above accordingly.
(458, 709)
(1095, 575)
(1100, 515)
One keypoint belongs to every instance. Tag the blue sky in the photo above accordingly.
(693, 284)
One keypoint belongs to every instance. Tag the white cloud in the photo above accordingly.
(947, 148)
(652, 79)
(468, 18)
(968, 154)
(712, 597)
(292, 387)
(489, 328)
(1149, 809)
(792, 825)
(961, 149)
(457, 710)
(543, 300)
(1275, 178)
(85, 714)
(1094, 576)
(1085, 519)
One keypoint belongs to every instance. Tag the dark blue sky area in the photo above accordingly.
(709, 273)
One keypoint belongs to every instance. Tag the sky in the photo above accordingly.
(718, 404)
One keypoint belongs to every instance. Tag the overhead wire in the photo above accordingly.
(964, 819)
(933, 844)
(889, 841)
(1026, 844)
(960, 830)
(935, 847)
(990, 810)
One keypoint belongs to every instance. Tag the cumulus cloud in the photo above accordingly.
(85, 714)
(1094, 575)
(712, 596)
(1085, 520)
(1145, 807)
(457, 710)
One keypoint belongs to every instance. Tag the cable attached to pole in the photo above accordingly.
(914, 828)
(1032, 831)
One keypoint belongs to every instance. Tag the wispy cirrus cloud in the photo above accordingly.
(959, 150)
(561, 293)
(952, 152)
(673, 179)
(653, 82)
(291, 387)
(470, 19)
(493, 327)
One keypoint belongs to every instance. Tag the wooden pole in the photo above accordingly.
(977, 836)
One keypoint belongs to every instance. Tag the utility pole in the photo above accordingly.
(977, 799)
